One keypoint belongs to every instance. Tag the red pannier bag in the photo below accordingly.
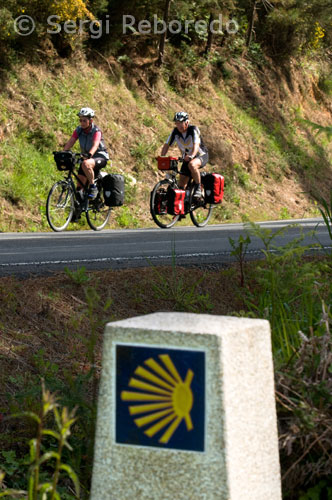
(175, 201)
(166, 162)
(213, 187)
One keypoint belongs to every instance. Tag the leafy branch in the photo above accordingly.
(64, 420)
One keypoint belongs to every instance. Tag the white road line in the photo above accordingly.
(138, 258)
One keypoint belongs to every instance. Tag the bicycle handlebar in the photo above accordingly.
(77, 155)
(67, 159)
(179, 158)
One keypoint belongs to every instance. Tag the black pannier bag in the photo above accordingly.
(65, 160)
(114, 189)
(160, 201)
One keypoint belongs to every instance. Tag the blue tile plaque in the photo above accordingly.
(160, 397)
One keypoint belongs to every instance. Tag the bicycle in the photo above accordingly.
(200, 212)
(65, 204)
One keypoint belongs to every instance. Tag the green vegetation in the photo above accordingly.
(64, 348)
(41, 455)
(134, 129)
(289, 295)
(262, 99)
(248, 90)
(180, 292)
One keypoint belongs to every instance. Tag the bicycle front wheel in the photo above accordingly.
(158, 205)
(98, 213)
(60, 206)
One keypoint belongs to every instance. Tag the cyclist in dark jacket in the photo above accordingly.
(191, 145)
(92, 144)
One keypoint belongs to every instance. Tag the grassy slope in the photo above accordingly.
(271, 162)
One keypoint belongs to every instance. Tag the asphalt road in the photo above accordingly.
(26, 253)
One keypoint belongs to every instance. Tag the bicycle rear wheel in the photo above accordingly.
(98, 213)
(60, 206)
(200, 212)
(158, 205)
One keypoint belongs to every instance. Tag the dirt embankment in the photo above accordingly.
(251, 117)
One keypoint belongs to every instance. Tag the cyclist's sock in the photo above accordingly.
(198, 190)
(93, 191)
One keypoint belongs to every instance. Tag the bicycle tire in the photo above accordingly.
(98, 213)
(165, 220)
(60, 206)
(200, 212)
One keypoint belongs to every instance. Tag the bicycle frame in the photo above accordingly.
(199, 211)
(64, 203)
(83, 207)
(188, 201)
(78, 199)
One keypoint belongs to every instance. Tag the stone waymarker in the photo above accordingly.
(186, 410)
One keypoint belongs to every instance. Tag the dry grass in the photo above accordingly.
(249, 120)
(46, 324)
(45, 320)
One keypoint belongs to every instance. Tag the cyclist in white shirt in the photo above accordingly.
(193, 150)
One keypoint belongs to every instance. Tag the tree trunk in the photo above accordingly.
(163, 35)
(210, 36)
(251, 23)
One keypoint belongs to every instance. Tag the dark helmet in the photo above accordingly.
(181, 116)
(87, 112)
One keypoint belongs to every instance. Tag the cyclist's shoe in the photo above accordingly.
(76, 216)
(182, 216)
(198, 192)
(93, 192)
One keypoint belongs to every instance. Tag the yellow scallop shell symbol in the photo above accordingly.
(167, 398)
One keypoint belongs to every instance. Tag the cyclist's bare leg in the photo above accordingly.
(88, 169)
(194, 166)
(82, 183)
(183, 181)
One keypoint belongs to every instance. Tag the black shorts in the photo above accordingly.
(100, 162)
(185, 169)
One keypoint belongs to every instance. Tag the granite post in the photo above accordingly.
(186, 410)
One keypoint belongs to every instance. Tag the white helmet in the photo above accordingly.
(88, 112)
(181, 116)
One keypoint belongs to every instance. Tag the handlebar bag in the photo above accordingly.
(214, 188)
(175, 201)
(65, 160)
(166, 162)
(114, 189)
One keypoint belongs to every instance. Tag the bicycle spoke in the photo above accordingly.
(200, 212)
(98, 213)
(201, 215)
